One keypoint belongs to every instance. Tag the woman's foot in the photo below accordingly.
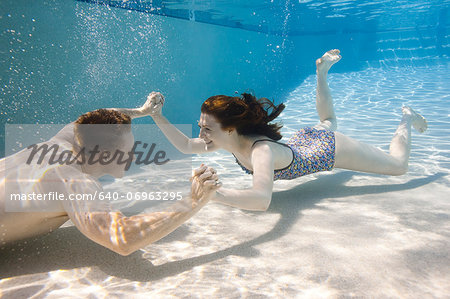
(325, 62)
(418, 121)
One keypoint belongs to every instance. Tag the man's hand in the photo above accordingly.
(205, 182)
(153, 105)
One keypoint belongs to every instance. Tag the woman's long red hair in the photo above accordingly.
(247, 114)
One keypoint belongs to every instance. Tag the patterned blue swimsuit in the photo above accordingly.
(313, 151)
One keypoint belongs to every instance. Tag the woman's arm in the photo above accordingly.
(184, 144)
(153, 107)
(258, 197)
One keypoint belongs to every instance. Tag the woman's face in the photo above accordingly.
(211, 132)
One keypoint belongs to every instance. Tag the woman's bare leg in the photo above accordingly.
(354, 155)
(324, 102)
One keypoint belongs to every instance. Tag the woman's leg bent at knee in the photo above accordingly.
(354, 155)
(324, 101)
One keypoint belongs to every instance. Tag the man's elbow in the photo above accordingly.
(122, 249)
(113, 232)
(130, 241)
(121, 244)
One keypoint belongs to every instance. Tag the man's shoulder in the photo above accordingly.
(73, 177)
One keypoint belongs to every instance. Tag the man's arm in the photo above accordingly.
(125, 235)
(142, 111)
(131, 112)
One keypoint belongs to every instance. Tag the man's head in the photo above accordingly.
(105, 134)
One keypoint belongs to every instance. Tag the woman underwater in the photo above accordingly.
(241, 125)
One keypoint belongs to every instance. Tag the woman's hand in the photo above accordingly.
(153, 105)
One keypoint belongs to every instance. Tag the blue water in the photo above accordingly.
(101, 56)
(62, 58)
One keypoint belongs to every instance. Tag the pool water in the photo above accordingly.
(328, 235)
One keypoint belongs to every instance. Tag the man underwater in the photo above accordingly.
(101, 224)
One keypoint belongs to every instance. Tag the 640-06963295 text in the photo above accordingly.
(102, 196)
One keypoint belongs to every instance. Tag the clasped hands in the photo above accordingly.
(153, 105)
(205, 183)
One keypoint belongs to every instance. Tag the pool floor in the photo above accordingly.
(337, 234)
